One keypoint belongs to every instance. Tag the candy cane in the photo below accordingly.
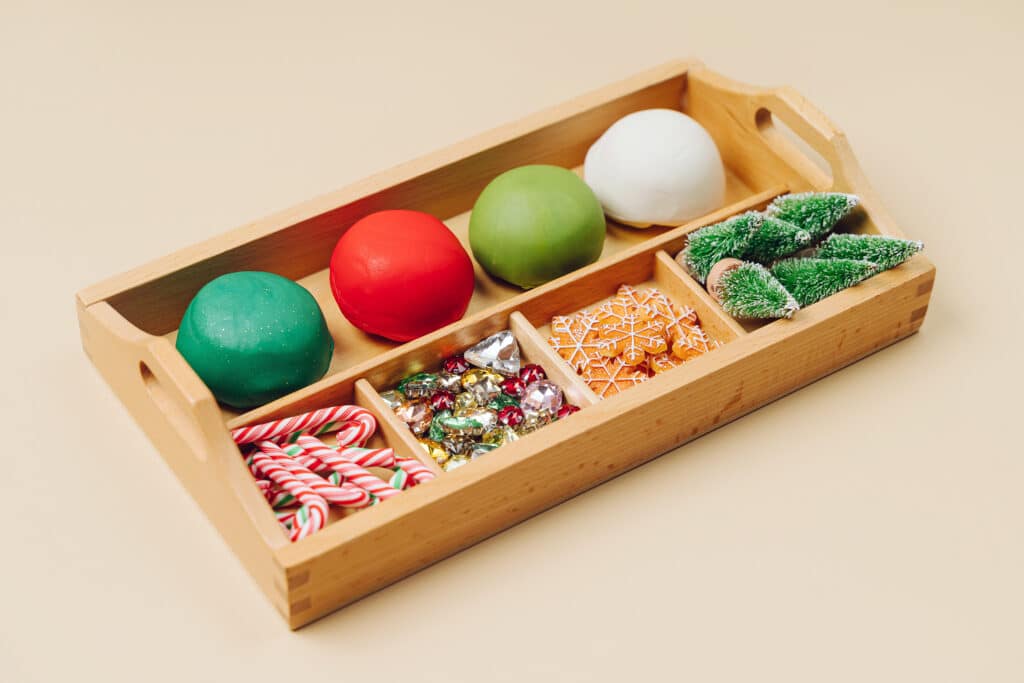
(356, 425)
(276, 496)
(347, 468)
(343, 494)
(415, 469)
(364, 457)
(371, 457)
(358, 431)
(312, 516)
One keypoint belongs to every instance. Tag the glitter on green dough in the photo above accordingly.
(253, 337)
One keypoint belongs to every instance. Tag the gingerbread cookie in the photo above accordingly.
(632, 338)
(692, 342)
(608, 376)
(661, 362)
(616, 309)
(575, 338)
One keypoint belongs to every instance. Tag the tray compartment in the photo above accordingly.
(533, 349)
(643, 271)
(386, 436)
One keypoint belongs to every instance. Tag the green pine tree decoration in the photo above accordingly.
(750, 291)
(812, 279)
(815, 212)
(773, 240)
(711, 244)
(887, 252)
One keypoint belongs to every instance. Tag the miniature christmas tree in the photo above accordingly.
(711, 244)
(773, 240)
(748, 290)
(887, 252)
(815, 212)
(812, 279)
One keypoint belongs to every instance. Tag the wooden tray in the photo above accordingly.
(128, 325)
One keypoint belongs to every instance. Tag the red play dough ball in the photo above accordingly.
(401, 274)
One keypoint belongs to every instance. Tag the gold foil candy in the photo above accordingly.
(499, 436)
(533, 420)
(471, 377)
(464, 403)
(435, 450)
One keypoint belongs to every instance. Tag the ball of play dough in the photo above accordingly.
(535, 223)
(253, 337)
(401, 274)
(655, 167)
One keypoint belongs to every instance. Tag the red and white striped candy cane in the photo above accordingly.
(372, 457)
(277, 497)
(369, 457)
(344, 494)
(355, 423)
(416, 470)
(314, 507)
(360, 427)
(385, 457)
(352, 472)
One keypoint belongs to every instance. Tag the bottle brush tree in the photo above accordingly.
(815, 212)
(812, 279)
(774, 239)
(887, 252)
(748, 290)
(711, 244)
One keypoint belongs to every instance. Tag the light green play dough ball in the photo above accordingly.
(535, 223)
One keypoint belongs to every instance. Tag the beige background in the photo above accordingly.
(869, 527)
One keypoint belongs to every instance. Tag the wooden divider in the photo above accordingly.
(680, 287)
(537, 350)
(395, 431)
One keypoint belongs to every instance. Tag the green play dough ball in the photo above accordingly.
(535, 223)
(253, 337)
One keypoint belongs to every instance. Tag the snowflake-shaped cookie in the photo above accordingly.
(615, 309)
(663, 361)
(575, 338)
(692, 343)
(631, 338)
(608, 376)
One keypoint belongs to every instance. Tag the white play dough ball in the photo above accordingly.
(655, 167)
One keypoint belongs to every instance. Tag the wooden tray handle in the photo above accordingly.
(754, 108)
(179, 414)
(182, 398)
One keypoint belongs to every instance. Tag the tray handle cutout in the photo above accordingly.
(175, 397)
(756, 110)
(179, 414)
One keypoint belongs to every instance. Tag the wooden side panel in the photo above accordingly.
(473, 503)
(179, 416)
